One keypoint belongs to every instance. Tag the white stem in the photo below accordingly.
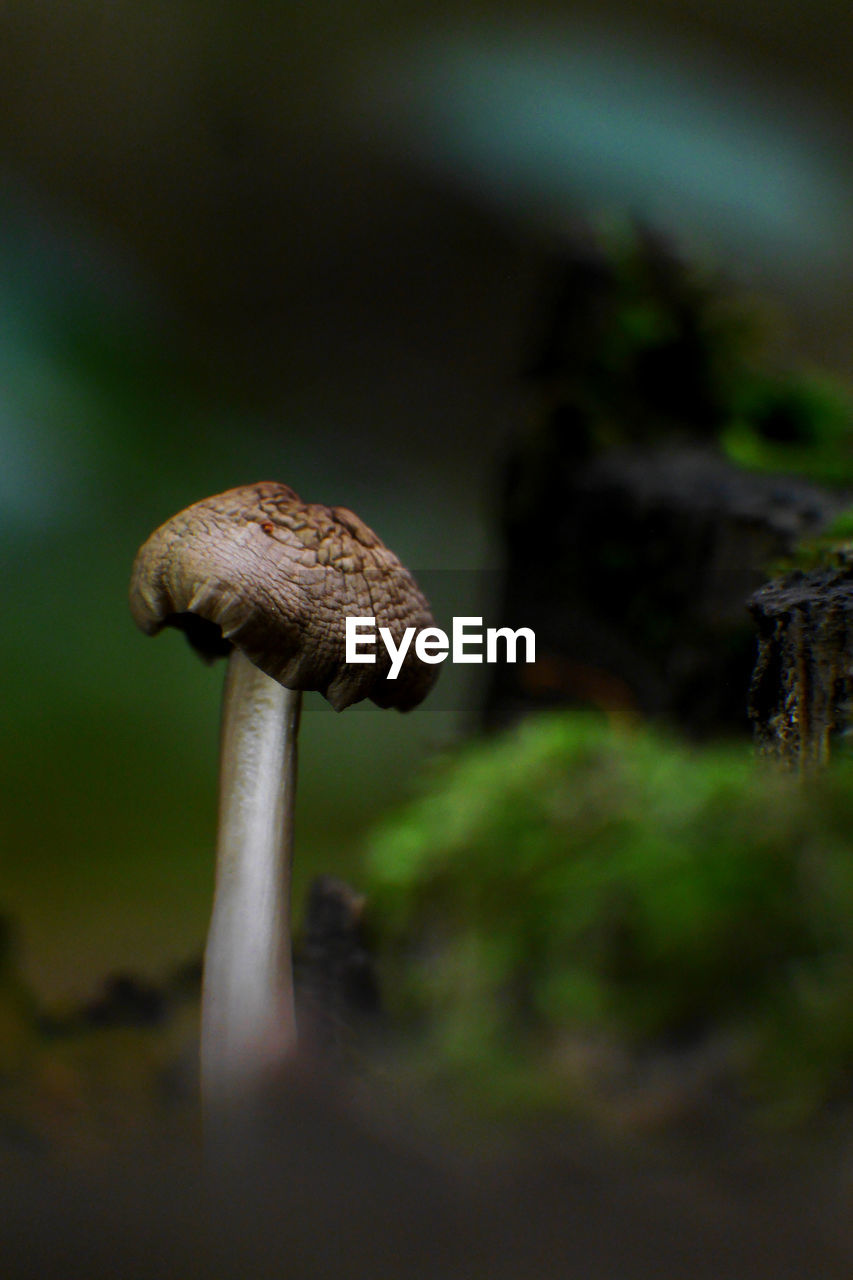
(248, 1026)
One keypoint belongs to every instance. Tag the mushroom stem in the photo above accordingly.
(248, 1025)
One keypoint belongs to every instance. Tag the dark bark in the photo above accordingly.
(633, 568)
(801, 691)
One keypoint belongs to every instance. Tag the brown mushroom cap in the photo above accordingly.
(258, 568)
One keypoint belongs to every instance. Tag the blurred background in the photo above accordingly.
(333, 245)
(268, 241)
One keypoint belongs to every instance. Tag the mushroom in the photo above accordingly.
(259, 576)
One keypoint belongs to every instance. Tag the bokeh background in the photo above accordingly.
(316, 243)
(309, 243)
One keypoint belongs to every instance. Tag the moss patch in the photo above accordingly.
(573, 881)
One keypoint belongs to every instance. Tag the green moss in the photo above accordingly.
(570, 878)
(831, 549)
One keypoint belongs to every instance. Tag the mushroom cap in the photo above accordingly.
(258, 568)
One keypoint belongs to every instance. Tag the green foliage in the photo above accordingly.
(570, 878)
(653, 348)
(802, 424)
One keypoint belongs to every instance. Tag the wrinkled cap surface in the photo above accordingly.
(259, 569)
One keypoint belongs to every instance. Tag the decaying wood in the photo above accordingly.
(633, 568)
(801, 697)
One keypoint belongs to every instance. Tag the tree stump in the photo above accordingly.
(633, 568)
(801, 696)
